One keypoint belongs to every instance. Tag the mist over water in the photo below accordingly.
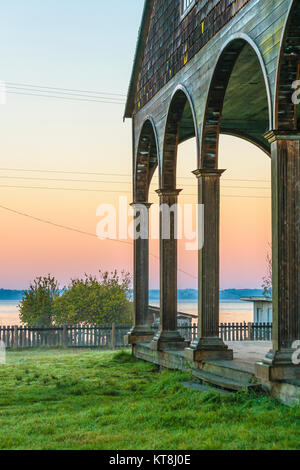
(230, 311)
(9, 313)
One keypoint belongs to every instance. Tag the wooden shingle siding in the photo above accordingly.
(173, 42)
(261, 21)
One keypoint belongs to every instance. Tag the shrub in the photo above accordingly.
(37, 304)
(95, 301)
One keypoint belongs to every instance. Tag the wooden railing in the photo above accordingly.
(112, 336)
(235, 332)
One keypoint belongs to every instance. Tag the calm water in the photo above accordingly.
(9, 314)
(229, 311)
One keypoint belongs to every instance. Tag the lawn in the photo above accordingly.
(66, 399)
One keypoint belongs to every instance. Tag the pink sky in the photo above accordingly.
(31, 248)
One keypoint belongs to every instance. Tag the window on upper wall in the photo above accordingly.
(186, 6)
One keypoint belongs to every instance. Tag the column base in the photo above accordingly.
(208, 349)
(168, 340)
(278, 366)
(138, 335)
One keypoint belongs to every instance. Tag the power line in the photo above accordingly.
(62, 189)
(247, 197)
(63, 180)
(222, 179)
(117, 191)
(65, 98)
(64, 89)
(63, 172)
(117, 174)
(69, 94)
(238, 196)
(64, 93)
(247, 187)
(112, 182)
(72, 229)
(82, 232)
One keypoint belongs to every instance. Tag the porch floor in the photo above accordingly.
(246, 354)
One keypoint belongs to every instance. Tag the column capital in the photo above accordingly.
(145, 204)
(275, 135)
(208, 172)
(168, 192)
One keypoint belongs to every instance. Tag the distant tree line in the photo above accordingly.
(88, 300)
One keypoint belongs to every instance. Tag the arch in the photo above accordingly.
(286, 113)
(251, 140)
(226, 109)
(180, 126)
(147, 158)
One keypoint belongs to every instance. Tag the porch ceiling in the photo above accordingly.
(245, 110)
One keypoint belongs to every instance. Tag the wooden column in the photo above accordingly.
(142, 331)
(278, 364)
(168, 336)
(209, 345)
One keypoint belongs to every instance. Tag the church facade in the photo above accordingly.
(202, 68)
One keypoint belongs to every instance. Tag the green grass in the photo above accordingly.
(66, 399)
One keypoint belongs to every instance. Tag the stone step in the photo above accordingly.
(230, 370)
(223, 382)
(205, 388)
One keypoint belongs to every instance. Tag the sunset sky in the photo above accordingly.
(90, 45)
